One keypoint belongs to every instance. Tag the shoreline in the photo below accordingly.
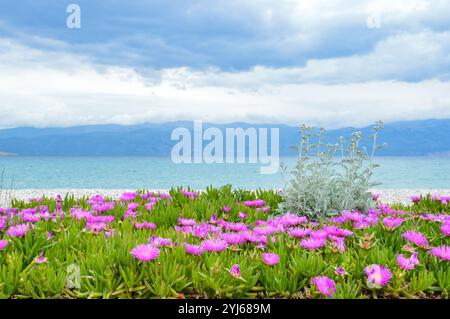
(387, 195)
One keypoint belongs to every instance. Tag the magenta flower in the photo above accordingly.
(377, 276)
(339, 243)
(127, 196)
(340, 271)
(325, 285)
(265, 209)
(40, 259)
(18, 230)
(109, 233)
(201, 231)
(445, 228)
(186, 221)
(99, 219)
(416, 198)
(408, 263)
(235, 271)
(265, 230)
(226, 209)
(442, 252)
(375, 197)
(313, 243)
(255, 203)
(234, 238)
(160, 241)
(270, 259)
(132, 206)
(299, 232)
(289, 219)
(233, 226)
(242, 215)
(96, 199)
(145, 224)
(193, 249)
(145, 252)
(213, 219)
(336, 231)
(417, 238)
(130, 213)
(215, 245)
(189, 194)
(96, 227)
(392, 222)
(3, 244)
(319, 234)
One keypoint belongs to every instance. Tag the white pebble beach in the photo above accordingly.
(387, 196)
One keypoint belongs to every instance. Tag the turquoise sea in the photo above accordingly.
(161, 173)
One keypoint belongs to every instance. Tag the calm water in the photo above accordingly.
(151, 172)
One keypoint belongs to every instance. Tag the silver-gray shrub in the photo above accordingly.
(328, 179)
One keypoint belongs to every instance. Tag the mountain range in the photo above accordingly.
(406, 138)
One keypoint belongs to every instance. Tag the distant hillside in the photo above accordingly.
(413, 138)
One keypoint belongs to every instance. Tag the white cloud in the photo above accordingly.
(45, 88)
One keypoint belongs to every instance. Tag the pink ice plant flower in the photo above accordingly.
(18, 230)
(103, 207)
(160, 241)
(313, 243)
(189, 194)
(96, 227)
(132, 206)
(340, 271)
(41, 259)
(416, 198)
(226, 209)
(445, 228)
(201, 231)
(377, 276)
(265, 209)
(242, 215)
(408, 263)
(235, 271)
(336, 231)
(145, 252)
(145, 224)
(299, 232)
(289, 219)
(270, 259)
(375, 197)
(193, 249)
(339, 243)
(3, 244)
(127, 196)
(442, 252)
(233, 226)
(234, 238)
(186, 221)
(325, 285)
(417, 238)
(319, 234)
(266, 230)
(255, 203)
(214, 245)
(392, 222)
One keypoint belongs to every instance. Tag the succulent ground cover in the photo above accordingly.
(221, 243)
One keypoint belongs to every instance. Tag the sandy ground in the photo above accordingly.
(386, 195)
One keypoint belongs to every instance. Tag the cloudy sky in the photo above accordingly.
(323, 62)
